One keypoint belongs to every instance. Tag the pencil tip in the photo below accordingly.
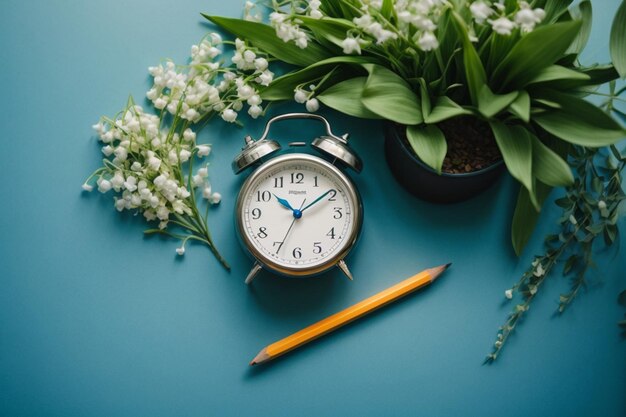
(260, 358)
(437, 271)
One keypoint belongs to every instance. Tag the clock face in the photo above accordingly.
(298, 214)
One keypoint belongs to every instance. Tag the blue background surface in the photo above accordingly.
(96, 320)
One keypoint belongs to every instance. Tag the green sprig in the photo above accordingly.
(591, 209)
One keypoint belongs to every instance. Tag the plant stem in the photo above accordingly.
(587, 209)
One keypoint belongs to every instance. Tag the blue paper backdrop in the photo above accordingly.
(96, 320)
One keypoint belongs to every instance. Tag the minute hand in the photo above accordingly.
(318, 199)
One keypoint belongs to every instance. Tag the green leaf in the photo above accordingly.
(515, 144)
(595, 228)
(617, 43)
(521, 106)
(564, 202)
(557, 72)
(331, 8)
(490, 104)
(546, 103)
(526, 215)
(569, 264)
(610, 233)
(598, 74)
(578, 121)
(583, 13)
(554, 9)
(499, 47)
(390, 97)
(596, 185)
(346, 98)
(282, 88)
(387, 9)
(347, 8)
(474, 70)
(620, 114)
(429, 144)
(448, 40)
(425, 98)
(548, 166)
(535, 51)
(445, 108)
(264, 37)
(616, 153)
(332, 29)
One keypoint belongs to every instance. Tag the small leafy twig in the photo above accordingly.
(591, 209)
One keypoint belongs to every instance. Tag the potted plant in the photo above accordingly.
(439, 70)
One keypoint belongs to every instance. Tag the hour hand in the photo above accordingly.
(284, 202)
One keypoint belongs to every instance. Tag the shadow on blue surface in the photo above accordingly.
(326, 342)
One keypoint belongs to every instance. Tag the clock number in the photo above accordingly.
(332, 195)
(297, 253)
(338, 214)
(317, 247)
(331, 233)
(278, 182)
(315, 181)
(263, 196)
(262, 232)
(256, 213)
(297, 177)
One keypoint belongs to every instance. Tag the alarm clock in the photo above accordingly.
(298, 214)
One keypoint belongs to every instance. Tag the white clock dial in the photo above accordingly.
(299, 213)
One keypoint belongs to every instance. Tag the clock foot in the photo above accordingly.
(344, 268)
(255, 270)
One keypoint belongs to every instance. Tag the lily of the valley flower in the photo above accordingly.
(351, 45)
(312, 105)
(502, 26)
(229, 115)
(300, 96)
(480, 11)
(527, 18)
(203, 150)
(428, 42)
(147, 152)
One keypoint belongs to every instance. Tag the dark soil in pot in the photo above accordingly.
(473, 162)
(471, 145)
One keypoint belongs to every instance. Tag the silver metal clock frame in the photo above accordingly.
(337, 258)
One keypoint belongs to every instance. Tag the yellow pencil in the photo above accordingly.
(358, 310)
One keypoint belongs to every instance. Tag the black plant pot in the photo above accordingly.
(423, 182)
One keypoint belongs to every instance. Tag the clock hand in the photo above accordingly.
(296, 212)
(283, 202)
(290, 226)
(318, 199)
